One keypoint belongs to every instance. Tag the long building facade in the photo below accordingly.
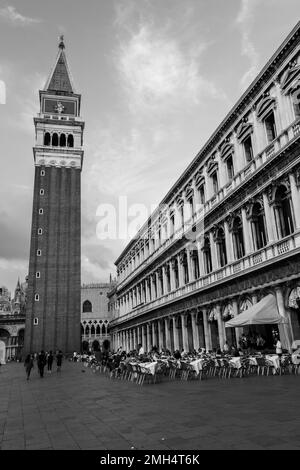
(227, 233)
(53, 299)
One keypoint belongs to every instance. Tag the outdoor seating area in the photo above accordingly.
(155, 368)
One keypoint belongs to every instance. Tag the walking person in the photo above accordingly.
(28, 364)
(41, 363)
(59, 357)
(50, 358)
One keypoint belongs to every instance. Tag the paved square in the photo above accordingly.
(83, 410)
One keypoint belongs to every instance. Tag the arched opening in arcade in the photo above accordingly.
(294, 308)
(96, 345)
(85, 346)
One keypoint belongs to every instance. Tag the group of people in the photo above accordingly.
(43, 359)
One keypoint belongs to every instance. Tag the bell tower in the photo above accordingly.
(53, 296)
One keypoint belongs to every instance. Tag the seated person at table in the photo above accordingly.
(226, 348)
(177, 354)
(140, 350)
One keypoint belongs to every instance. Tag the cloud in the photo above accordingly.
(244, 21)
(10, 15)
(156, 68)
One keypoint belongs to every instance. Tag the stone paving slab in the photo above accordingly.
(87, 411)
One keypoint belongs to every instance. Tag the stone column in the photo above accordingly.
(221, 327)
(175, 333)
(213, 251)
(207, 335)
(172, 275)
(247, 233)
(167, 331)
(228, 242)
(185, 340)
(195, 329)
(284, 328)
(154, 339)
(295, 199)
(190, 265)
(238, 331)
(270, 219)
(160, 335)
(143, 341)
(149, 341)
(180, 271)
(165, 281)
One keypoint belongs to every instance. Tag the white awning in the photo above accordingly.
(262, 313)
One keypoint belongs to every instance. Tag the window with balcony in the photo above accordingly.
(215, 183)
(230, 168)
(195, 259)
(172, 224)
(221, 247)
(270, 127)
(207, 255)
(296, 103)
(258, 226)
(191, 206)
(201, 192)
(248, 149)
(283, 212)
(181, 212)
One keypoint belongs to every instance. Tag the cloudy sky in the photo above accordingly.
(156, 77)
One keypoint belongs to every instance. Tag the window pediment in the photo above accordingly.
(265, 105)
(244, 129)
(226, 150)
(291, 78)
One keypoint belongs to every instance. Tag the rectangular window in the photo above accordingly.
(270, 127)
(296, 103)
(181, 215)
(202, 194)
(36, 297)
(172, 224)
(230, 169)
(191, 205)
(214, 178)
(248, 149)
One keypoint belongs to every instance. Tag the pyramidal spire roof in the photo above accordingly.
(60, 79)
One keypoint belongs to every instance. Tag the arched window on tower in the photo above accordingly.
(62, 140)
(55, 140)
(258, 226)
(70, 140)
(87, 306)
(238, 238)
(47, 138)
(283, 212)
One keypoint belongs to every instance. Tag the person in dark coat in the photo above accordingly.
(41, 362)
(59, 357)
(28, 364)
(50, 361)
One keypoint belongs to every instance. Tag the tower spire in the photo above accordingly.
(60, 78)
(61, 44)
